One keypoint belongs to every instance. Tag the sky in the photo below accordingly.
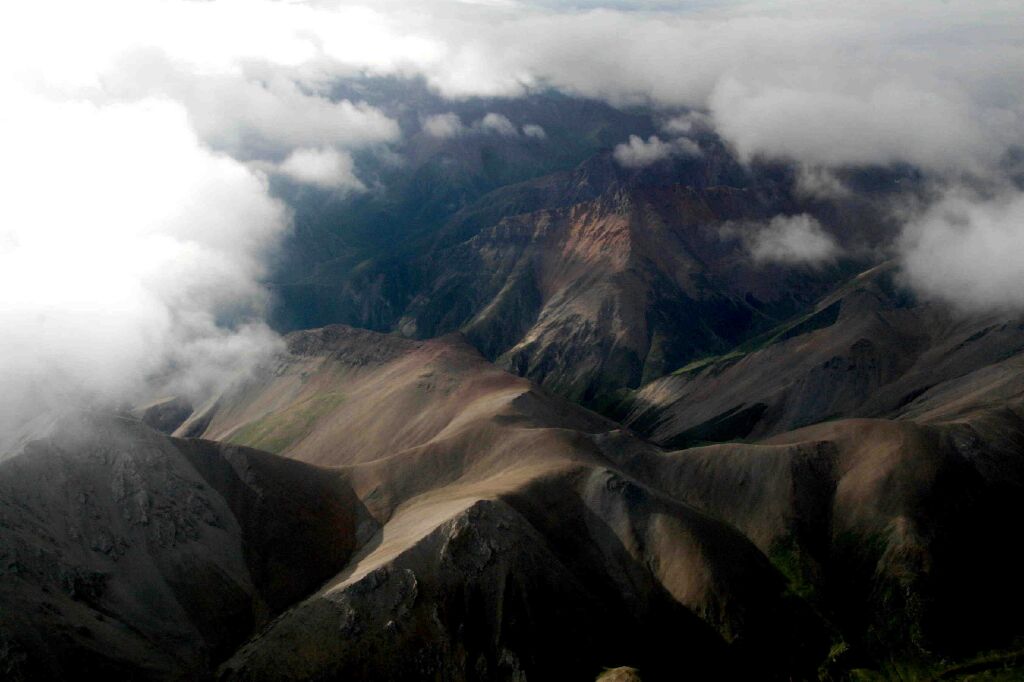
(140, 138)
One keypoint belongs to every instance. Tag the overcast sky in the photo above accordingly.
(139, 135)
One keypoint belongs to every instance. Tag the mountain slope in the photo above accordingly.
(865, 520)
(133, 554)
(470, 437)
(463, 523)
(587, 279)
(894, 531)
(867, 350)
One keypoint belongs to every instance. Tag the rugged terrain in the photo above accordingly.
(428, 515)
(792, 470)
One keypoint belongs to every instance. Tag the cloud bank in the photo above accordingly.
(935, 84)
(137, 136)
(130, 256)
(967, 250)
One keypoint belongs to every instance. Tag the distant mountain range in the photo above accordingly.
(559, 263)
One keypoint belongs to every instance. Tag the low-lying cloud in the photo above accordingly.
(443, 126)
(449, 125)
(638, 153)
(535, 131)
(326, 168)
(788, 240)
(130, 255)
(499, 124)
(967, 250)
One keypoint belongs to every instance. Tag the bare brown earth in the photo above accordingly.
(874, 525)
(442, 519)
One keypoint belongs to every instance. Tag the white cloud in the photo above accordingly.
(790, 240)
(967, 250)
(443, 126)
(819, 182)
(535, 131)
(684, 124)
(888, 123)
(936, 84)
(252, 113)
(638, 153)
(130, 247)
(129, 254)
(497, 123)
(326, 168)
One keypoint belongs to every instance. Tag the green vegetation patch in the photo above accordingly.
(785, 556)
(278, 431)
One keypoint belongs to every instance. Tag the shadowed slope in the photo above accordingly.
(128, 553)
(895, 531)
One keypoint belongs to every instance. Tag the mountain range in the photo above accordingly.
(543, 415)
